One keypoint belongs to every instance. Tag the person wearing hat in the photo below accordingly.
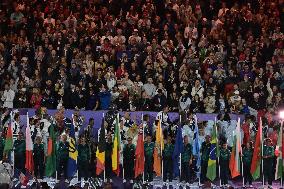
(224, 160)
(148, 152)
(205, 151)
(62, 156)
(20, 153)
(184, 101)
(83, 159)
(247, 159)
(167, 159)
(186, 160)
(128, 160)
(268, 157)
(38, 156)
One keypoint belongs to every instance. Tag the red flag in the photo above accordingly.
(256, 158)
(29, 149)
(139, 156)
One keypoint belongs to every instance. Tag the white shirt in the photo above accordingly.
(184, 102)
(8, 98)
(199, 90)
(150, 89)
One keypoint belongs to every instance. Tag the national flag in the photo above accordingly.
(139, 156)
(178, 149)
(73, 153)
(50, 167)
(29, 148)
(279, 155)
(257, 153)
(100, 153)
(196, 147)
(116, 147)
(9, 140)
(159, 145)
(214, 152)
(235, 166)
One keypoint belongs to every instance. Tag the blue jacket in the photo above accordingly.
(105, 98)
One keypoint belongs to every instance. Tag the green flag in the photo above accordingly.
(214, 153)
(51, 149)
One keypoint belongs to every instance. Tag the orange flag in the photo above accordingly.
(159, 145)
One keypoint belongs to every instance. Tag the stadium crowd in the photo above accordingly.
(214, 56)
(142, 55)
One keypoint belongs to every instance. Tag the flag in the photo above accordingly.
(196, 146)
(235, 166)
(159, 145)
(116, 147)
(50, 167)
(178, 149)
(279, 154)
(73, 153)
(139, 156)
(257, 153)
(29, 148)
(9, 140)
(100, 153)
(214, 151)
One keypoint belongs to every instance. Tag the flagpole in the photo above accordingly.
(281, 154)
(260, 120)
(143, 176)
(217, 141)
(161, 151)
(120, 149)
(179, 154)
(104, 139)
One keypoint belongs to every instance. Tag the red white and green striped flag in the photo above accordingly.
(235, 166)
(279, 154)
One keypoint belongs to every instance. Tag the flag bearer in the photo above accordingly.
(62, 156)
(268, 154)
(186, 160)
(20, 153)
(128, 160)
(247, 158)
(205, 151)
(149, 151)
(224, 160)
(83, 159)
(39, 159)
(167, 160)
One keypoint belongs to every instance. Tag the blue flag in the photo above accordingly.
(177, 152)
(196, 147)
(73, 154)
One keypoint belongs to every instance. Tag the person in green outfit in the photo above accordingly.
(247, 158)
(224, 160)
(62, 156)
(83, 159)
(167, 160)
(205, 151)
(39, 158)
(108, 158)
(20, 153)
(149, 151)
(2, 145)
(128, 160)
(268, 155)
(186, 160)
